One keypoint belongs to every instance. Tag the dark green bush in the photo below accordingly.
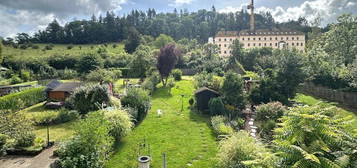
(216, 106)
(23, 46)
(35, 47)
(48, 47)
(191, 101)
(67, 74)
(177, 74)
(138, 99)
(63, 61)
(89, 98)
(89, 62)
(20, 100)
(69, 47)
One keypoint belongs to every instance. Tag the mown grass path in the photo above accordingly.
(184, 136)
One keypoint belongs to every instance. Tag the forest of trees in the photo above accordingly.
(178, 24)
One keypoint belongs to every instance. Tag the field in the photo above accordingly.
(342, 111)
(59, 49)
(184, 136)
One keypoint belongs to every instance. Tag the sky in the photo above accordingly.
(31, 15)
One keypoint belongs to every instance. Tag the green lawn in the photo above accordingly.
(58, 132)
(342, 111)
(119, 84)
(185, 137)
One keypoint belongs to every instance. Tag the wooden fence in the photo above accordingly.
(346, 98)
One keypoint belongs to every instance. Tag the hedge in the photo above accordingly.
(21, 100)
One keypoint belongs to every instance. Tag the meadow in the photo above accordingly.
(61, 49)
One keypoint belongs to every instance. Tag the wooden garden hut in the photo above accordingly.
(203, 96)
(63, 91)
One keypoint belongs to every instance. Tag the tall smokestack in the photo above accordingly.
(252, 21)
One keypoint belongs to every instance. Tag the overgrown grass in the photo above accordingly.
(342, 111)
(184, 136)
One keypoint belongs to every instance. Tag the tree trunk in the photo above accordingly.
(164, 81)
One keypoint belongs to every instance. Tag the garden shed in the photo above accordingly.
(203, 96)
(63, 91)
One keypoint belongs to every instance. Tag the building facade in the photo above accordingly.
(260, 38)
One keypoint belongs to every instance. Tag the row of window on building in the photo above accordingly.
(265, 44)
(259, 38)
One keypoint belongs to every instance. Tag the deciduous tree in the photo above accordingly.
(167, 60)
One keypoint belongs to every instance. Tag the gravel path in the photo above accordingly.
(42, 160)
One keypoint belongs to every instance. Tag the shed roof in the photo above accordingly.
(67, 87)
(52, 85)
(202, 89)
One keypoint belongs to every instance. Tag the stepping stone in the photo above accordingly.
(189, 164)
(250, 123)
(200, 156)
(253, 131)
(253, 127)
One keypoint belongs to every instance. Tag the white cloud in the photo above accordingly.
(17, 21)
(64, 7)
(178, 3)
(327, 10)
(31, 15)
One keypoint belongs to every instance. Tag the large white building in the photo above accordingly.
(258, 38)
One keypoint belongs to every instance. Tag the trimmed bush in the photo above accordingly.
(20, 100)
(138, 99)
(177, 74)
(120, 123)
(89, 98)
